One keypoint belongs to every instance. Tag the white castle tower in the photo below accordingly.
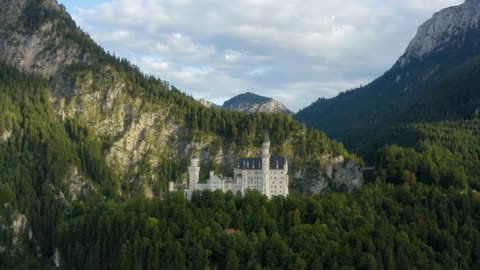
(266, 166)
(194, 173)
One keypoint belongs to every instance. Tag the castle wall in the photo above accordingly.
(270, 182)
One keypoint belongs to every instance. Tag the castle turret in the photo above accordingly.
(266, 166)
(194, 173)
(286, 181)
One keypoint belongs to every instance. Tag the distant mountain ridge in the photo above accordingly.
(250, 103)
(447, 28)
(88, 143)
(444, 44)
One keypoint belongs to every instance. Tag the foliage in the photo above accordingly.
(382, 226)
(36, 154)
(452, 145)
(435, 166)
(36, 14)
(34, 158)
(419, 210)
(440, 86)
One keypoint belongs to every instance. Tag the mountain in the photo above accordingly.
(207, 103)
(88, 143)
(250, 103)
(427, 105)
(78, 124)
(147, 127)
(442, 50)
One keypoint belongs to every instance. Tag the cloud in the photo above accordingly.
(293, 50)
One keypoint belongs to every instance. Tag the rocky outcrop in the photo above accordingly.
(347, 175)
(5, 136)
(207, 103)
(42, 51)
(78, 185)
(251, 103)
(16, 231)
(19, 227)
(443, 44)
(443, 30)
(336, 174)
(141, 133)
(19, 224)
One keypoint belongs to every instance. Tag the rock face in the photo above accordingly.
(207, 103)
(78, 185)
(19, 226)
(42, 51)
(251, 103)
(337, 174)
(442, 44)
(447, 28)
(142, 133)
(5, 136)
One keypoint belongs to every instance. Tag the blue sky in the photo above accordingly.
(295, 51)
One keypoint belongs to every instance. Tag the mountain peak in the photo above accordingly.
(250, 102)
(445, 29)
(250, 97)
(39, 36)
(444, 45)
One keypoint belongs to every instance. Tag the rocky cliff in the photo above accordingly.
(38, 45)
(442, 45)
(251, 103)
(448, 27)
(143, 133)
(207, 103)
(336, 174)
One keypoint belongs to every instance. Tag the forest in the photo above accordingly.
(419, 208)
(38, 152)
(383, 226)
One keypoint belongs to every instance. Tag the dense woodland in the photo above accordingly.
(37, 152)
(419, 208)
(440, 86)
(381, 227)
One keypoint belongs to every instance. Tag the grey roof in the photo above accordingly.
(276, 163)
(249, 163)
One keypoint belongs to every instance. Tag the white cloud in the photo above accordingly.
(231, 55)
(293, 50)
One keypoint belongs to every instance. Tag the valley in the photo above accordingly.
(89, 144)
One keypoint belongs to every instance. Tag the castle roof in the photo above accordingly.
(276, 163)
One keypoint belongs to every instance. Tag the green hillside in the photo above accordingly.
(440, 82)
(88, 145)
(380, 227)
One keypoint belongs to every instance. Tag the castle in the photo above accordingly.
(267, 174)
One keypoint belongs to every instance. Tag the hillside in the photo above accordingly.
(147, 125)
(78, 124)
(251, 103)
(88, 143)
(442, 46)
(428, 103)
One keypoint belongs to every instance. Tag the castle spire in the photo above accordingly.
(266, 166)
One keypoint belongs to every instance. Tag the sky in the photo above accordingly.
(295, 51)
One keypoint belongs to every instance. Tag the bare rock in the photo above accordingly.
(444, 27)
